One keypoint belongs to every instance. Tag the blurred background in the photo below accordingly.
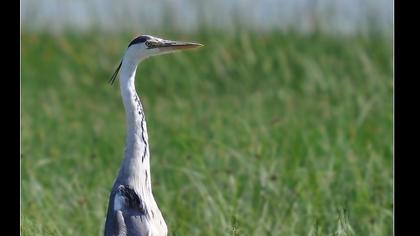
(280, 125)
(332, 16)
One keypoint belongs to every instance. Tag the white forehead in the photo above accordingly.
(153, 38)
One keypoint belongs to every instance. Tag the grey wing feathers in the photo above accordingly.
(121, 228)
(126, 213)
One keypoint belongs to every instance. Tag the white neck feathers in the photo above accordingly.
(135, 169)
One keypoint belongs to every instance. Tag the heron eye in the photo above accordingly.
(148, 44)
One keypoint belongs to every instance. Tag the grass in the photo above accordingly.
(253, 134)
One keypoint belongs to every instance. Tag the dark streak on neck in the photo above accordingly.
(142, 125)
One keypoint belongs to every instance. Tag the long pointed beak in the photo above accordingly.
(167, 46)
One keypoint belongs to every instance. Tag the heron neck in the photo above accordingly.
(135, 169)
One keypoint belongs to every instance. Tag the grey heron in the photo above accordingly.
(132, 209)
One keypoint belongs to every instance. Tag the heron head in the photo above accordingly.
(145, 46)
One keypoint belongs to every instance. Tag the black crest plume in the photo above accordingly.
(137, 40)
(111, 81)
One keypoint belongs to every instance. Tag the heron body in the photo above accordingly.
(132, 209)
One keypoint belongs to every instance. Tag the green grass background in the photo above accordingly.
(253, 134)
